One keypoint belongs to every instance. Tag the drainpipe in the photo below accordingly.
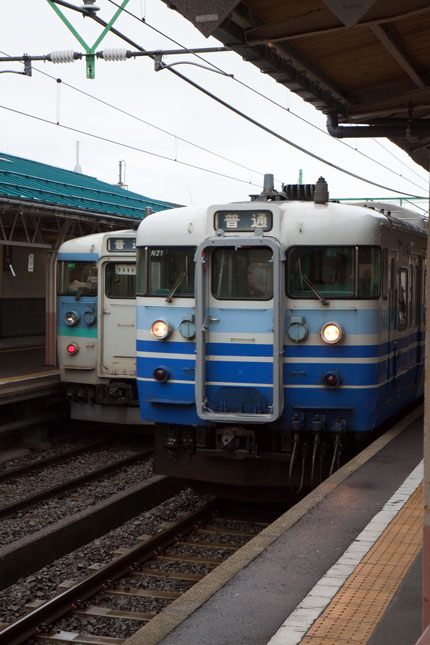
(379, 128)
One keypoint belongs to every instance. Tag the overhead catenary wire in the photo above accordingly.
(156, 127)
(267, 98)
(240, 113)
(163, 130)
(230, 107)
(152, 125)
(125, 145)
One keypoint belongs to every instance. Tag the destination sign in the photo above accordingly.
(121, 244)
(243, 221)
(125, 269)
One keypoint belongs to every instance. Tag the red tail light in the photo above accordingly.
(161, 374)
(331, 380)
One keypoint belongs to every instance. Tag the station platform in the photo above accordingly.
(342, 566)
(24, 375)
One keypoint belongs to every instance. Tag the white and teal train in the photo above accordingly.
(96, 326)
(273, 333)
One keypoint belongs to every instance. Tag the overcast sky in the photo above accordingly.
(160, 99)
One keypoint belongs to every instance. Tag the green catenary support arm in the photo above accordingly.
(90, 51)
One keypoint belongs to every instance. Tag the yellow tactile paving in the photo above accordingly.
(360, 604)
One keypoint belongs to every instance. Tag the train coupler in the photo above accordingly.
(172, 441)
(235, 439)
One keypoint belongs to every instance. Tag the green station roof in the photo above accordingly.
(39, 183)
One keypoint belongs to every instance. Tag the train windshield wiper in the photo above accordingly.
(176, 286)
(313, 288)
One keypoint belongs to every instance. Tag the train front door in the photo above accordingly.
(118, 316)
(239, 329)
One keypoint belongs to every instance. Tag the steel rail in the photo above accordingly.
(48, 461)
(73, 483)
(36, 621)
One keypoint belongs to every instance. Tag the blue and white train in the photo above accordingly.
(96, 326)
(273, 333)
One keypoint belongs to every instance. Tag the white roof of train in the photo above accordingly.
(294, 223)
(94, 243)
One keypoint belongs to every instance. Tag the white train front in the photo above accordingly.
(96, 326)
(273, 332)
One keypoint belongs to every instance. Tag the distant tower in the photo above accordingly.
(77, 168)
(121, 179)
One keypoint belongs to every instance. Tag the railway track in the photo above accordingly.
(72, 484)
(55, 505)
(123, 595)
(10, 473)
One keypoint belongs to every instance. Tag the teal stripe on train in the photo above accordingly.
(75, 332)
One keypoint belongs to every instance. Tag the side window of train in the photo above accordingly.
(120, 279)
(385, 274)
(369, 271)
(416, 288)
(403, 299)
(141, 270)
(242, 274)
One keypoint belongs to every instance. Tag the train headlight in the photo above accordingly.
(331, 333)
(72, 318)
(72, 348)
(160, 329)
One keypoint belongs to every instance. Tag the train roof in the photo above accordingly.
(397, 212)
(94, 243)
(302, 214)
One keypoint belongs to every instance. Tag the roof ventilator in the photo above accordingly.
(317, 193)
(307, 192)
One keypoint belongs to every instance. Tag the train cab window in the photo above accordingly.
(166, 271)
(120, 280)
(242, 274)
(78, 279)
(334, 272)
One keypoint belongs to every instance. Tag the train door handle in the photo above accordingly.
(106, 313)
(211, 319)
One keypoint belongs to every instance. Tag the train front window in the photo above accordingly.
(242, 274)
(334, 272)
(120, 280)
(170, 272)
(78, 279)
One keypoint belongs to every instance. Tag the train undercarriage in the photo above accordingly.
(253, 463)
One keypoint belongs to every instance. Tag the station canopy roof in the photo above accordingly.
(362, 62)
(36, 184)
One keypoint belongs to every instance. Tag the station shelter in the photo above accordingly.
(41, 206)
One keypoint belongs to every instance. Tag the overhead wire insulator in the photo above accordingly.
(63, 56)
(114, 54)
